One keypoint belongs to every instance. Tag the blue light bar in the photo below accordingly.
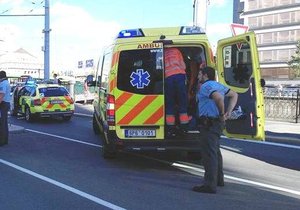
(130, 33)
(189, 30)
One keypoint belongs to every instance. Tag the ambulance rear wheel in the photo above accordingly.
(108, 151)
(28, 115)
(67, 118)
(194, 155)
(95, 125)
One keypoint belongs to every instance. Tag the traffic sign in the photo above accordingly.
(238, 29)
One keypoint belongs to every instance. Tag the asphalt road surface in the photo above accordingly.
(58, 165)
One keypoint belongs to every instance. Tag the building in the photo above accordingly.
(20, 62)
(277, 27)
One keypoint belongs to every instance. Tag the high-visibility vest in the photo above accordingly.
(174, 63)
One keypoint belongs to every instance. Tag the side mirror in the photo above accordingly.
(90, 81)
(262, 82)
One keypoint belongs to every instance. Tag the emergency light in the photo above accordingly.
(131, 33)
(190, 30)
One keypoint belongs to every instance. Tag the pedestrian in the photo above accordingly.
(212, 118)
(4, 107)
(56, 80)
(175, 90)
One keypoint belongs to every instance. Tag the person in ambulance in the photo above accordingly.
(175, 90)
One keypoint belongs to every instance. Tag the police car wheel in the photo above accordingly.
(28, 115)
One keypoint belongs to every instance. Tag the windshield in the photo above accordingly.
(53, 91)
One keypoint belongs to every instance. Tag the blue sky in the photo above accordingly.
(81, 28)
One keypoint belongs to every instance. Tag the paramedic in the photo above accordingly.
(175, 90)
(212, 118)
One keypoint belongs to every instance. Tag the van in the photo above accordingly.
(129, 102)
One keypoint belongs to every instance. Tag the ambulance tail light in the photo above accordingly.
(131, 33)
(37, 102)
(110, 110)
(190, 30)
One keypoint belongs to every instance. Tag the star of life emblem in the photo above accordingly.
(140, 78)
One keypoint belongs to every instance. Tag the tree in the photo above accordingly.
(294, 63)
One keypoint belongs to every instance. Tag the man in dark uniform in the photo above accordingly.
(212, 118)
(4, 107)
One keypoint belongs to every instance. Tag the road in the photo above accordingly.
(58, 165)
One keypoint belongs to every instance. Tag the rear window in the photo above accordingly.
(141, 71)
(53, 91)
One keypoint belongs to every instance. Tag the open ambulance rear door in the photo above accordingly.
(238, 68)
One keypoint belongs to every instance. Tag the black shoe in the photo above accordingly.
(221, 184)
(204, 189)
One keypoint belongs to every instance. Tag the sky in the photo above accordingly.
(80, 29)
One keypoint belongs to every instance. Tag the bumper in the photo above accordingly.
(187, 142)
(55, 114)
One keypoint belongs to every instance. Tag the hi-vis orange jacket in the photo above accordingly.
(174, 63)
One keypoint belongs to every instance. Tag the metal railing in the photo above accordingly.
(283, 107)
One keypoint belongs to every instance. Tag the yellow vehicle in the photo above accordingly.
(42, 100)
(129, 106)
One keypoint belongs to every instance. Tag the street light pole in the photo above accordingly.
(47, 42)
(200, 13)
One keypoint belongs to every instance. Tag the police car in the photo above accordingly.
(42, 100)
(129, 102)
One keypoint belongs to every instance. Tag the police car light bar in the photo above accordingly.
(131, 33)
(190, 30)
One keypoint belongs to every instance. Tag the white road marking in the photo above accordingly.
(64, 186)
(184, 167)
(65, 138)
(264, 142)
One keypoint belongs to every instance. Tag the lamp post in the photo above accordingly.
(46, 32)
(200, 13)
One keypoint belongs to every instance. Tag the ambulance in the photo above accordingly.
(129, 103)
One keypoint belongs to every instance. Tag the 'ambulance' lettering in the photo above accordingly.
(149, 45)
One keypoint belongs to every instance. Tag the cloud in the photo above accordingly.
(218, 3)
(215, 32)
(76, 35)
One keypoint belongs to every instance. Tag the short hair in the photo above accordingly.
(210, 72)
(2, 74)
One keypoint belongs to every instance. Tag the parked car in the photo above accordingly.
(42, 100)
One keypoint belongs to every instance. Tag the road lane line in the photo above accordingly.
(64, 186)
(264, 142)
(184, 167)
(65, 138)
(187, 168)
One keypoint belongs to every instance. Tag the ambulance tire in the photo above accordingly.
(108, 151)
(67, 118)
(194, 155)
(96, 128)
(28, 115)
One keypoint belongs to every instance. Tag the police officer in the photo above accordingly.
(175, 90)
(212, 117)
(4, 107)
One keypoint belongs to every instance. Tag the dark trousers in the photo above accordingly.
(212, 159)
(4, 108)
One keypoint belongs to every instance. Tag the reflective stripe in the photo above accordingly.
(170, 119)
(122, 99)
(146, 101)
(174, 63)
(155, 117)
